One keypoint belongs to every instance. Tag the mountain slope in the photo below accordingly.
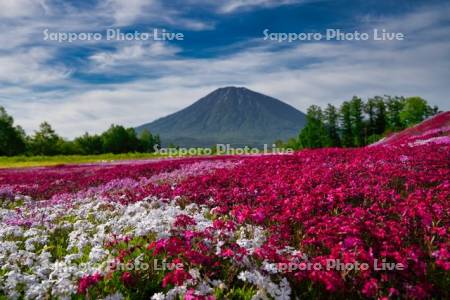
(230, 115)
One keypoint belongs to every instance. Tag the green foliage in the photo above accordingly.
(44, 141)
(375, 110)
(293, 143)
(394, 107)
(313, 135)
(369, 109)
(415, 110)
(89, 144)
(148, 141)
(118, 139)
(32, 161)
(346, 124)
(59, 240)
(67, 147)
(356, 117)
(380, 116)
(359, 123)
(373, 138)
(242, 293)
(12, 139)
(331, 119)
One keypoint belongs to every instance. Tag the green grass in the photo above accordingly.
(35, 161)
(38, 161)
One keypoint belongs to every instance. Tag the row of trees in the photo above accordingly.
(45, 141)
(357, 123)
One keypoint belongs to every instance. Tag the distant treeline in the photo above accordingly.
(45, 141)
(357, 123)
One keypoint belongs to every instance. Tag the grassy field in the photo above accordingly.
(35, 161)
(38, 161)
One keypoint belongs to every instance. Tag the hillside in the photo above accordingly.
(433, 130)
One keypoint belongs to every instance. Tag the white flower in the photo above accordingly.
(279, 292)
(158, 296)
(97, 254)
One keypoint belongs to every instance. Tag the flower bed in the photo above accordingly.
(277, 226)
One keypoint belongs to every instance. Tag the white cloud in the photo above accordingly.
(22, 8)
(30, 67)
(127, 11)
(300, 74)
(230, 6)
(132, 54)
(236, 6)
(95, 110)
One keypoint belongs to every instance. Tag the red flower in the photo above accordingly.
(176, 277)
(87, 281)
(227, 253)
(370, 288)
(184, 221)
(127, 279)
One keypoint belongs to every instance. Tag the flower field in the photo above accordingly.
(234, 227)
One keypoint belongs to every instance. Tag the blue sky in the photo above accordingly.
(87, 85)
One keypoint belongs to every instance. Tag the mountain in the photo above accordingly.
(229, 115)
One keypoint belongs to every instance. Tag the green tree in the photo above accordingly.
(292, 143)
(380, 116)
(12, 139)
(313, 135)
(394, 106)
(370, 110)
(44, 141)
(356, 115)
(331, 119)
(414, 111)
(66, 147)
(376, 119)
(89, 144)
(147, 141)
(346, 124)
(118, 139)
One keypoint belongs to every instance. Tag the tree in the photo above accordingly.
(66, 147)
(44, 141)
(346, 125)
(414, 111)
(147, 141)
(394, 106)
(356, 115)
(292, 143)
(370, 110)
(118, 139)
(380, 116)
(89, 144)
(376, 119)
(331, 118)
(12, 139)
(313, 135)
